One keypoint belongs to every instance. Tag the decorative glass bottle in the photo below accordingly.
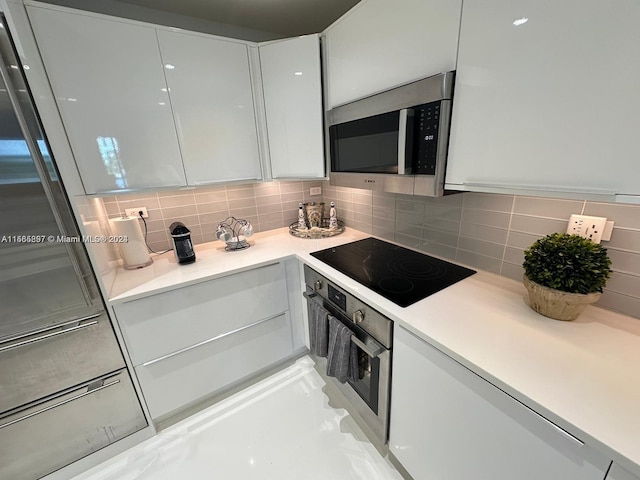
(333, 217)
(302, 224)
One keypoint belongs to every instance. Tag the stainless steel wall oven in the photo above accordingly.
(368, 396)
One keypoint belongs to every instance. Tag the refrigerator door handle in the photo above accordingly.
(90, 389)
(75, 325)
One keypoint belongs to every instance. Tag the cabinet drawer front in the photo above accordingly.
(50, 435)
(73, 353)
(449, 423)
(182, 379)
(161, 324)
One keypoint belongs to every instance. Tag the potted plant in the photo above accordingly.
(564, 274)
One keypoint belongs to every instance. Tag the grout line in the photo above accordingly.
(618, 249)
(506, 242)
(476, 239)
(530, 215)
(625, 272)
(459, 233)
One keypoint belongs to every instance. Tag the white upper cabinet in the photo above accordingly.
(292, 89)
(381, 44)
(109, 86)
(546, 98)
(146, 106)
(212, 100)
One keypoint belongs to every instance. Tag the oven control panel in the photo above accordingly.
(337, 297)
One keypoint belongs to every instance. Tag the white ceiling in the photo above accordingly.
(283, 17)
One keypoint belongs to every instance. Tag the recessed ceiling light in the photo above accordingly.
(168, 66)
(520, 21)
(297, 73)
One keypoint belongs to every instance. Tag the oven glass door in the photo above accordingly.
(368, 145)
(368, 384)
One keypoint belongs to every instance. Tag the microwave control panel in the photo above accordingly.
(426, 121)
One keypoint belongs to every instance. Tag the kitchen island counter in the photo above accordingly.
(581, 375)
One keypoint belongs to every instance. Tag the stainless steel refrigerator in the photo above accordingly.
(65, 391)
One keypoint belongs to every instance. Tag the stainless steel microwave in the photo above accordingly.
(395, 141)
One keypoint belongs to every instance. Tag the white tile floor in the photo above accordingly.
(281, 428)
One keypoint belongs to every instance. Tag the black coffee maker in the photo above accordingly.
(182, 246)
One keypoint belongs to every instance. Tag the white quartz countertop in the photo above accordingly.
(583, 375)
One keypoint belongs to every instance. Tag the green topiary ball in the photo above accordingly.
(568, 263)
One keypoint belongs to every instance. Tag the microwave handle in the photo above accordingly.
(405, 141)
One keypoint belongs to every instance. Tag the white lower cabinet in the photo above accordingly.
(196, 341)
(619, 473)
(447, 423)
(167, 322)
(182, 378)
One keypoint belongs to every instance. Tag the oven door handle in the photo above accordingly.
(371, 347)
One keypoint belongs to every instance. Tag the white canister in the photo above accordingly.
(134, 250)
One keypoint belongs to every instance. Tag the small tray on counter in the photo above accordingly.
(316, 232)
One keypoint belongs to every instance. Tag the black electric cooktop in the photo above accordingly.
(397, 273)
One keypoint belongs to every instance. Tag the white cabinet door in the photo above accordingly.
(212, 101)
(189, 315)
(619, 473)
(546, 98)
(293, 101)
(110, 89)
(196, 341)
(180, 380)
(448, 423)
(381, 44)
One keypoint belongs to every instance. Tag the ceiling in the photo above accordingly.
(283, 17)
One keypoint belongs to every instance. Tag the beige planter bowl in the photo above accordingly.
(557, 304)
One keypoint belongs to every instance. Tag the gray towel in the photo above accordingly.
(318, 329)
(342, 359)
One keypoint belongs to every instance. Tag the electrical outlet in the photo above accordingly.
(133, 212)
(588, 227)
(315, 191)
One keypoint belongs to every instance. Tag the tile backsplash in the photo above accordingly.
(490, 231)
(485, 231)
(266, 205)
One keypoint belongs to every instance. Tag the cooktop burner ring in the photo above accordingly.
(396, 284)
(424, 270)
